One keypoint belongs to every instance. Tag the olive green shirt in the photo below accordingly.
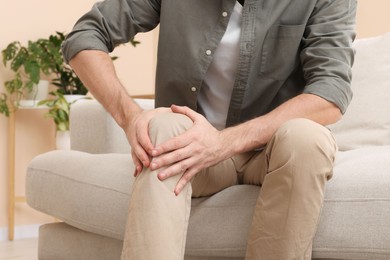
(287, 47)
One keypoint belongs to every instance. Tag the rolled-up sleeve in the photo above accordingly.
(110, 23)
(327, 55)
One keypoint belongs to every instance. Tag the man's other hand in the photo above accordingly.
(199, 147)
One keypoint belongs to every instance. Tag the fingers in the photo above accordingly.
(139, 156)
(187, 137)
(138, 136)
(141, 129)
(178, 155)
(137, 164)
(185, 111)
(185, 168)
(175, 169)
(143, 138)
(184, 180)
(173, 144)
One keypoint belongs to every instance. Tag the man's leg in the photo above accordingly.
(292, 170)
(157, 221)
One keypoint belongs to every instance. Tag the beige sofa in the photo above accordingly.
(89, 188)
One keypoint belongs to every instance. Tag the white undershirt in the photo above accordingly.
(215, 94)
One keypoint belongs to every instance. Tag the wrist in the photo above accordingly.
(231, 141)
(245, 137)
(125, 110)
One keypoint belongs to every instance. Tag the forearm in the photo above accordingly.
(97, 72)
(257, 132)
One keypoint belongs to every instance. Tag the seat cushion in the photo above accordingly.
(91, 192)
(355, 221)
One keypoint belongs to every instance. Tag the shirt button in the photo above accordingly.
(224, 14)
(193, 89)
(208, 52)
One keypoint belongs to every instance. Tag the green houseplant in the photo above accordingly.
(59, 109)
(29, 62)
(42, 57)
(4, 109)
(64, 78)
(26, 63)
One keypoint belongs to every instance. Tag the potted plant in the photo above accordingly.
(44, 56)
(26, 62)
(59, 109)
(64, 78)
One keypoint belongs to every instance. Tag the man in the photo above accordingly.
(243, 92)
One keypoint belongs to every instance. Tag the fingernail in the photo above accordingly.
(137, 170)
(177, 190)
(154, 152)
(153, 166)
(162, 176)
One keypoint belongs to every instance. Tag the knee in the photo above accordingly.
(306, 138)
(168, 125)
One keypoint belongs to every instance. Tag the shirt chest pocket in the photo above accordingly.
(280, 51)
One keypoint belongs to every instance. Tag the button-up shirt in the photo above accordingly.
(287, 47)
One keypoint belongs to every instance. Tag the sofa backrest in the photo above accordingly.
(93, 130)
(367, 120)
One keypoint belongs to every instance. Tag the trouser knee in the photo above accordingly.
(167, 125)
(304, 135)
(163, 127)
(306, 141)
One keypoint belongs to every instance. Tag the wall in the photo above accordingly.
(135, 68)
(373, 17)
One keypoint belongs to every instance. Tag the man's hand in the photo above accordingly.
(199, 147)
(137, 132)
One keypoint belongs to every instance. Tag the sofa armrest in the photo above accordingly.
(93, 130)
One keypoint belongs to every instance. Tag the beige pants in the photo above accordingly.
(292, 171)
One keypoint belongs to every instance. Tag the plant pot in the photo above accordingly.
(63, 140)
(39, 92)
(73, 98)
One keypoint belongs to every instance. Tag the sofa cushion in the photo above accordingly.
(92, 193)
(367, 120)
(355, 219)
(87, 191)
